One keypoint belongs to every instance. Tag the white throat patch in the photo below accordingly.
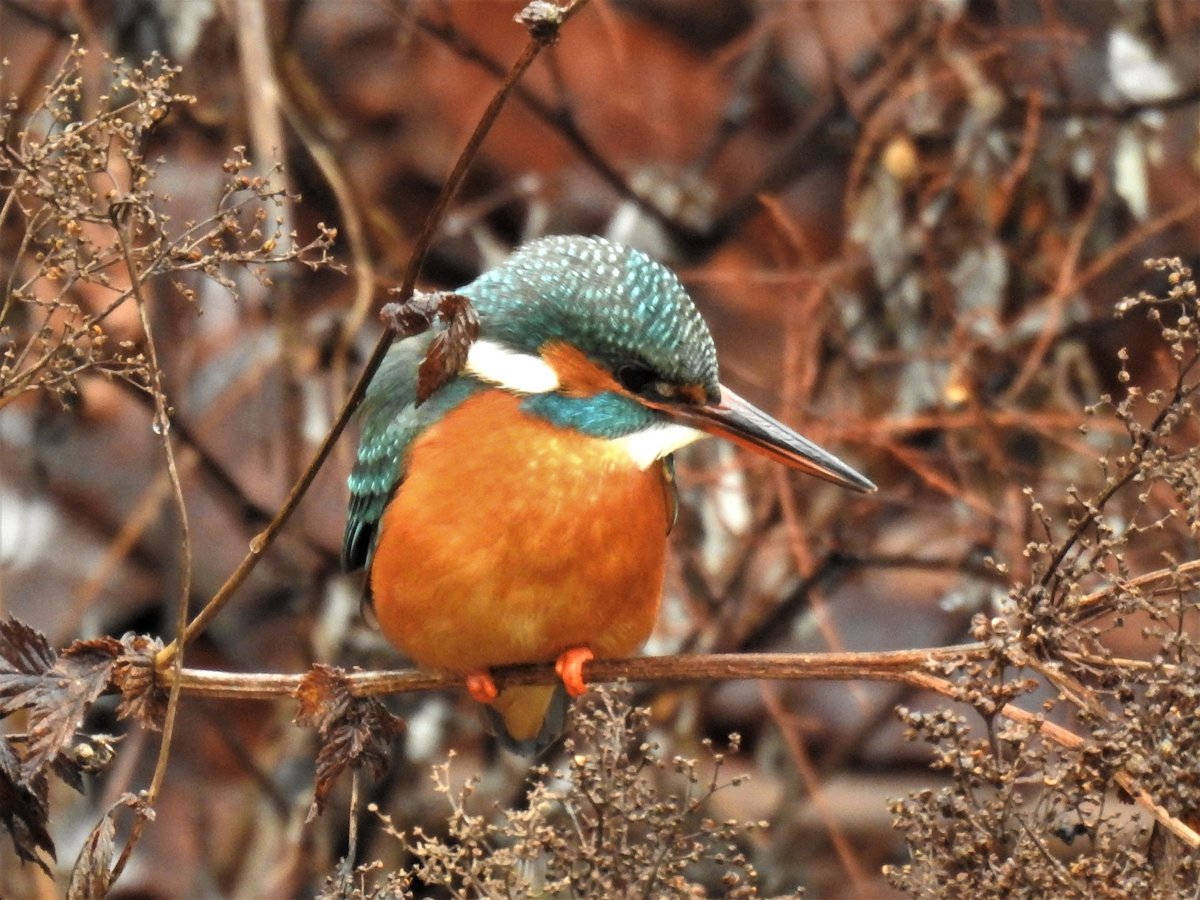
(651, 444)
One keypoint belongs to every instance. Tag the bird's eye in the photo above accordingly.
(635, 377)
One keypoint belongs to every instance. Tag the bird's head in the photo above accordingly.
(602, 338)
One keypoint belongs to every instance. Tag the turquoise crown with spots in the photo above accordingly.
(614, 303)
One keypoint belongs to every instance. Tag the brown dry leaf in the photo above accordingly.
(92, 873)
(448, 352)
(25, 657)
(57, 691)
(142, 696)
(24, 811)
(63, 695)
(355, 731)
(414, 316)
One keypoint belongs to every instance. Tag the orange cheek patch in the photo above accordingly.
(577, 375)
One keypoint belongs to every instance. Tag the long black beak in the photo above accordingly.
(742, 422)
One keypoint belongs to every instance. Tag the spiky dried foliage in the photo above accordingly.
(87, 232)
(78, 208)
(620, 820)
(1014, 799)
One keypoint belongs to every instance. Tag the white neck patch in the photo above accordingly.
(652, 443)
(522, 373)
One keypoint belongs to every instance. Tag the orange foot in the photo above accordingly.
(570, 669)
(481, 687)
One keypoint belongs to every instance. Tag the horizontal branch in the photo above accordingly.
(898, 665)
(916, 668)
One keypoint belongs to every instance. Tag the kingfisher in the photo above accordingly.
(520, 513)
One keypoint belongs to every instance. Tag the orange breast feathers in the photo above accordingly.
(511, 540)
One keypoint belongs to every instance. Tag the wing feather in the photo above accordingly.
(391, 421)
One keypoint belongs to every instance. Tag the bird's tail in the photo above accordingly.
(527, 720)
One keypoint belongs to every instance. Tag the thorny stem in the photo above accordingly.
(539, 39)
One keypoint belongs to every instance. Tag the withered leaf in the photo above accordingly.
(413, 316)
(323, 695)
(448, 352)
(62, 695)
(24, 811)
(354, 731)
(143, 697)
(91, 875)
(25, 656)
(57, 690)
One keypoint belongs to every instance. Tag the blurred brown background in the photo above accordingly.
(907, 222)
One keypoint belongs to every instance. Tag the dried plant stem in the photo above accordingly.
(1072, 690)
(1096, 597)
(261, 87)
(1054, 306)
(141, 518)
(539, 39)
(1128, 245)
(895, 666)
(561, 119)
(352, 822)
(162, 427)
(265, 119)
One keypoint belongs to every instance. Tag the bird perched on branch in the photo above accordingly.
(519, 512)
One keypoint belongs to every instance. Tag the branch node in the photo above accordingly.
(543, 18)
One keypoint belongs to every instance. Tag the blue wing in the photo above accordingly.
(391, 422)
